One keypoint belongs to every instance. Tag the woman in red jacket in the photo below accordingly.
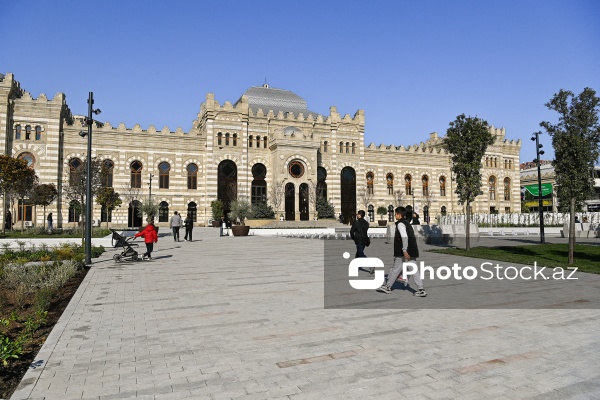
(150, 237)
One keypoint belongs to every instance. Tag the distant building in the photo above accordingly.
(266, 142)
(529, 187)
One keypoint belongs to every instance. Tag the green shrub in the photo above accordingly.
(324, 208)
(9, 350)
(262, 211)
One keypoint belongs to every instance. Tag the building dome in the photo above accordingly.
(267, 99)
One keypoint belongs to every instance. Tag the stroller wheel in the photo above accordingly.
(117, 257)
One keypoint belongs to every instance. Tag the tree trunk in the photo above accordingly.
(44, 222)
(22, 214)
(468, 228)
(572, 232)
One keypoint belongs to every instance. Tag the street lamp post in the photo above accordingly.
(88, 177)
(150, 189)
(539, 152)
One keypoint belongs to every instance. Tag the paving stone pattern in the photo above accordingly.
(243, 318)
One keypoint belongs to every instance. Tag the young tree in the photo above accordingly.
(10, 170)
(575, 139)
(22, 187)
(398, 198)
(43, 195)
(364, 197)
(466, 140)
(276, 195)
(108, 199)
(77, 185)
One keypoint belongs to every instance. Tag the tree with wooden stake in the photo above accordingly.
(575, 139)
(467, 140)
(43, 195)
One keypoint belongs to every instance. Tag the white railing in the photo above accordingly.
(519, 219)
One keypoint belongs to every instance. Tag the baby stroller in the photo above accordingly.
(128, 253)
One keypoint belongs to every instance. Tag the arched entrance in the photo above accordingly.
(348, 189)
(227, 183)
(192, 210)
(134, 218)
(303, 195)
(290, 203)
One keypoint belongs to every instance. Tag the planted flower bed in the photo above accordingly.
(36, 285)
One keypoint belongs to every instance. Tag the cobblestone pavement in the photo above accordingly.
(243, 318)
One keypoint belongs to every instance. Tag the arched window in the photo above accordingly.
(425, 180)
(371, 212)
(391, 213)
(29, 158)
(107, 173)
(259, 185)
(325, 145)
(227, 139)
(220, 139)
(443, 211)
(18, 132)
(74, 211)
(136, 174)
(353, 148)
(192, 176)
(389, 179)
(235, 139)
(258, 142)
(250, 138)
(38, 132)
(227, 183)
(492, 185)
(442, 185)
(341, 147)
(163, 174)
(370, 178)
(74, 167)
(264, 142)
(347, 147)
(321, 183)
(408, 184)
(192, 210)
(163, 212)
(28, 132)
(507, 189)
(495, 162)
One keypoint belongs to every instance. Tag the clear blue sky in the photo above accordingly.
(413, 66)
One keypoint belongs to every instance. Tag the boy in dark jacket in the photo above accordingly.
(359, 234)
(150, 237)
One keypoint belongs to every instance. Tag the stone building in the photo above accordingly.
(265, 145)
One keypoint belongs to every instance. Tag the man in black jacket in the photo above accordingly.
(358, 233)
(405, 249)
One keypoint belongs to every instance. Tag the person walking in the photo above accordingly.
(405, 249)
(223, 226)
(359, 234)
(49, 219)
(150, 237)
(189, 225)
(175, 224)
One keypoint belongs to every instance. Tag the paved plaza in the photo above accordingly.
(244, 318)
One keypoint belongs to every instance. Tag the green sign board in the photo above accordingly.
(534, 189)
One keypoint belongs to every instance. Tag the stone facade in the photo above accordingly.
(267, 126)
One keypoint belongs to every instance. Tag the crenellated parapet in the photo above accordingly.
(106, 127)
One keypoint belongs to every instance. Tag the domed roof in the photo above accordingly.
(267, 98)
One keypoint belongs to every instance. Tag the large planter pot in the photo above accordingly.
(216, 223)
(240, 230)
(382, 222)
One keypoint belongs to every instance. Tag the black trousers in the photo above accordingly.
(149, 248)
(188, 233)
